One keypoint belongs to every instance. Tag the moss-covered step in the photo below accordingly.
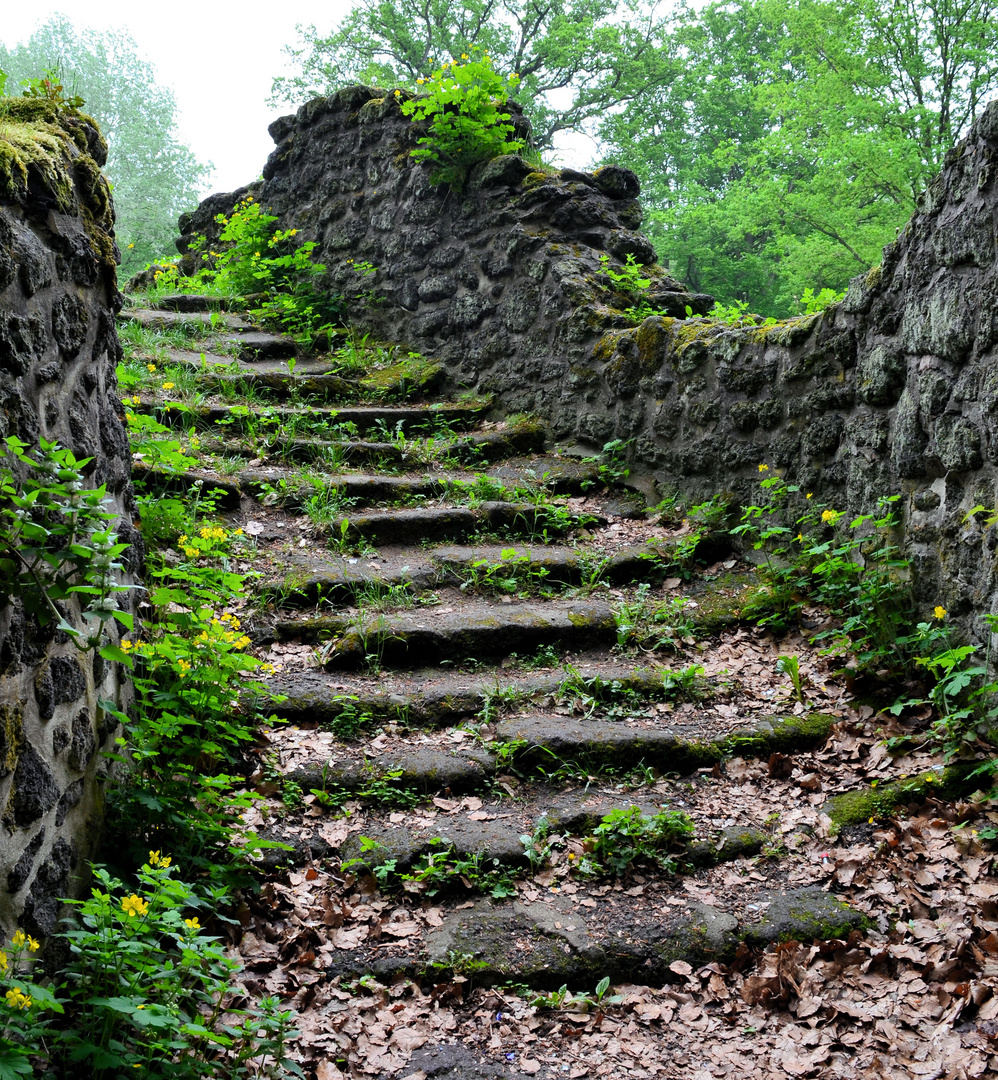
(436, 698)
(949, 782)
(406, 379)
(478, 630)
(539, 739)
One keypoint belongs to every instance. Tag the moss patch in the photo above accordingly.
(45, 150)
(855, 807)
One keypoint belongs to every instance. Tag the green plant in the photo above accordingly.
(790, 666)
(197, 707)
(513, 573)
(49, 87)
(624, 837)
(964, 698)
(56, 543)
(463, 106)
(145, 988)
(651, 626)
(537, 845)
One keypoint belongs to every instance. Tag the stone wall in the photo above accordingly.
(507, 271)
(58, 351)
(893, 391)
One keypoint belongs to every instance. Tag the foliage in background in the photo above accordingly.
(154, 176)
(576, 59)
(463, 106)
(787, 140)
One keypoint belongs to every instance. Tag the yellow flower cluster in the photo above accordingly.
(3, 961)
(192, 924)
(16, 999)
(134, 905)
(150, 367)
(763, 468)
(162, 861)
(21, 940)
(136, 400)
(830, 516)
(939, 611)
(183, 666)
(213, 533)
(168, 385)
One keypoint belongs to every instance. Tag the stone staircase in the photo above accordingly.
(482, 648)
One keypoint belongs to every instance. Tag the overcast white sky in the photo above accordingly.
(218, 58)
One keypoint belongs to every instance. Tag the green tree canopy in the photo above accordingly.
(576, 58)
(155, 177)
(789, 138)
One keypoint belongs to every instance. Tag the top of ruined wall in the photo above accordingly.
(508, 268)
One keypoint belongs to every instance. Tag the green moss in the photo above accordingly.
(44, 146)
(873, 276)
(12, 728)
(855, 807)
(533, 179)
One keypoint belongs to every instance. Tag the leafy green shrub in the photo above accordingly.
(55, 540)
(197, 706)
(464, 108)
(625, 837)
(145, 989)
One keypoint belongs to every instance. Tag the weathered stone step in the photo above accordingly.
(215, 365)
(403, 418)
(172, 319)
(666, 747)
(436, 698)
(413, 639)
(453, 761)
(445, 523)
(554, 942)
(476, 448)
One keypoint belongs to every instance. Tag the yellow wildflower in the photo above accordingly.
(21, 940)
(419, 82)
(168, 385)
(464, 56)
(192, 924)
(939, 611)
(763, 468)
(134, 905)
(830, 516)
(162, 861)
(800, 537)
(130, 246)
(150, 367)
(3, 961)
(17, 1000)
(398, 93)
(808, 495)
(136, 400)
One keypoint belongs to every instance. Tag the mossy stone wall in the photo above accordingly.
(58, 352)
